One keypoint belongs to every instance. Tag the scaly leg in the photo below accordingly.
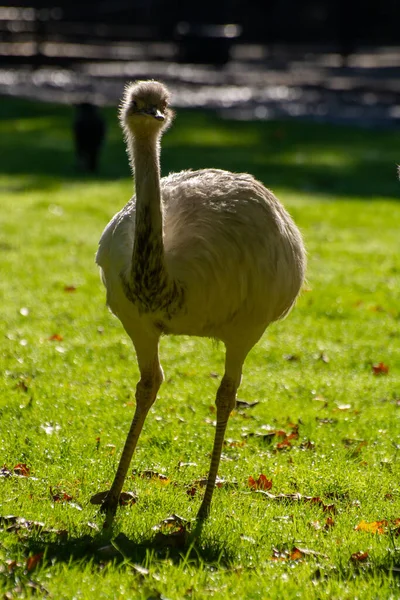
(225, 402)
(146, 392)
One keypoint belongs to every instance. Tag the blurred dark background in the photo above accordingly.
(330, 60)
(32, 30)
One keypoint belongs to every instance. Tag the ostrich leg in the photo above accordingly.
(225, 402)
(146, 393)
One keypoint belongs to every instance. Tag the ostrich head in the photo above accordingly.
(144, 108)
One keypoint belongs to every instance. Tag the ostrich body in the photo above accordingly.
(205, 253)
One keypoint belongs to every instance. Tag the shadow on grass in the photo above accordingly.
(101, 549)
(36, 146)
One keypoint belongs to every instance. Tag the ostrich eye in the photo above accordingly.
(133, 104)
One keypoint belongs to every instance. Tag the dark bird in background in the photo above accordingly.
(89, 133)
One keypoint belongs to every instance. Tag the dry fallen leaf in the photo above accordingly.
(219, 482)
(172, 532)
(380, 369)
(172, 522)
(308, 445)
(22, 470)
(60, 496)
(149, 474)
(329, 523)
(296, 497)
(359, 556)
(262, 483)
(380, 527)
(33, 561)
(56, 337)
(374, 527)
(125, 499)
(176, 539)
(16, 524)
(234, 443)
(70, 288)
(294, 554)
(283, 445)
(22, 385)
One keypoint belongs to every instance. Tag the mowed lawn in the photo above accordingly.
(323, 520)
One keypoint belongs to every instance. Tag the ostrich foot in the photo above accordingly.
(109, 505)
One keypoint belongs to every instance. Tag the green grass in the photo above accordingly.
(66, 403)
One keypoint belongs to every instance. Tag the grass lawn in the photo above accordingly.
(325, 520)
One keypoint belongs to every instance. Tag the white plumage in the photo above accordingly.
(206, 253)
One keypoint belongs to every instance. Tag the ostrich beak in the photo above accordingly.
(153, 111)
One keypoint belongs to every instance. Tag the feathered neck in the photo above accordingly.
(149, 276)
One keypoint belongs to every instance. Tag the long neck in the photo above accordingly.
(149, 216)
(148, 274)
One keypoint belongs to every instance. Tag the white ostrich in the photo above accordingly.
(207, 253)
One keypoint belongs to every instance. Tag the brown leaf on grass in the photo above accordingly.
(172, 522)
(172, 532)
(234, 443)
(22, 470)
(60, 495)
(283, 445)
(262, 483)
(193, 488)
(176, 539)
(125, 499)
(359, 556)
(329, 523)
(380, 369)
(12, 565)
(14, 524)
(308, 552)
(380, 527)
(268, 435)
(294, 554)
(219, 482)
(354, 445)
(308, 445)
(33, 561)
(296, 497)
(22, 385)
(149, 474)
(70, 288)
(56, 337)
